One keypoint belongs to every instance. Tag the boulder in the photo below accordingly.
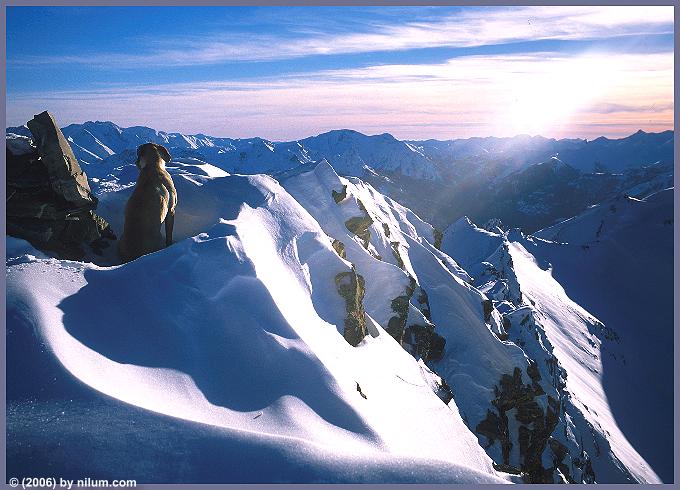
(66, 178)
(49, 201)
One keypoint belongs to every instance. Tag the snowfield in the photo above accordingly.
(226, 357)
(583, 354)
(237, 327)
(615, 260)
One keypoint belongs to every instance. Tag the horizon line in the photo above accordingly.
(519, 135)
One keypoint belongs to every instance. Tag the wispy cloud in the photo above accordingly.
(547, 93)
(473, 27)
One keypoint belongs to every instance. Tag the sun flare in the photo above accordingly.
(541, 102)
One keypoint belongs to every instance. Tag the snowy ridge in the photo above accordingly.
(350, 152)
(602, 154)
(613, 259)
(568, 345)
(475, 363)
(246, 336)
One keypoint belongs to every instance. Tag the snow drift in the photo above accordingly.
(237, 327)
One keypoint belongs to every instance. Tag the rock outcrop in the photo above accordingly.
(359, 225)
(351, 287)
(400, 305)
(49, 201)
(338, 197)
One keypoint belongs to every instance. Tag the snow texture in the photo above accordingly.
(223, 357)
(236, 328)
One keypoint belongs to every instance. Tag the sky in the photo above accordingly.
(285, 73)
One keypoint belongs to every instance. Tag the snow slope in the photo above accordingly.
(455, 307)
(237, 328)
(579, 344)
(476, 360)
(570, 346)
(616, 260)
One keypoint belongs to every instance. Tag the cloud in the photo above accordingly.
(543, 93)
(475, 26)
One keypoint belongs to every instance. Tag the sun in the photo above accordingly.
(542, 100)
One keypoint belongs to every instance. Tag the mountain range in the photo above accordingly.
(309, 326)
(518, 180)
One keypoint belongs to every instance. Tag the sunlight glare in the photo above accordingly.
(545, 99)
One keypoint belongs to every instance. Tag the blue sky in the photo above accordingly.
(286, 73)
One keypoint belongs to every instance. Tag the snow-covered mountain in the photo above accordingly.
(518, 180)
(616, 260)
(599, 155)
(306, 328)
(522, 180)
(599, 286)
(353, 153)
(350, 152)
(532, 197)
(240, 327)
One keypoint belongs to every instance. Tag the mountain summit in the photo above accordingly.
(308, 320)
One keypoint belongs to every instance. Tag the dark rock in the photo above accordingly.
(359, 226)
(421, 341)
(506, 468)
(536, 426)
(397, 324)
(396, 329)
(533, 371)
(351, 286)
(558, 449)
(338, 197)
(66, 177)
(424, 302)
(438, 236)
(49, 202)
(339, 248)
(487, 304)
(397, 255)
(444, 392)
